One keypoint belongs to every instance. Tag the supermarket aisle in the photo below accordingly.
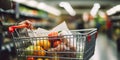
(105, 49)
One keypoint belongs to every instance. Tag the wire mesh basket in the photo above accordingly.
(78, 45)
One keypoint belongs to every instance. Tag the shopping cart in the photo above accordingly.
(82, 41)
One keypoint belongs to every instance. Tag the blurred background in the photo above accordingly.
(78, 14)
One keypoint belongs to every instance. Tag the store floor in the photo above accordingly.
(105, 49)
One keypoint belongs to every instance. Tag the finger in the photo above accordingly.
(30, 26)
(27, 21)
(23, 22)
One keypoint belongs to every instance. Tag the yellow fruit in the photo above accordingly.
(39, 51)
(46, 59)
(29, 50)
(45, 44)
(39, 59)
(55, 57)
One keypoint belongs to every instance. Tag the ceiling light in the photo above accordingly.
(113, 10)
(68, 8)
(95, 9)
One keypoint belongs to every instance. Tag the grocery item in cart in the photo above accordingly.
(59, 43)
(59, 30)
(45, 44)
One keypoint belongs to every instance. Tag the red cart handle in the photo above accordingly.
(12, 28)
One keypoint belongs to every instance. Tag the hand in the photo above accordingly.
(28, 23)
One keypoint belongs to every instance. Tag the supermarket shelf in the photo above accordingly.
(8, 24)
(115, 18)
(117, 25)
(29, 16)
(7, 46)
(37, 25)
(7, 11)
(12, 12)
(28, 6)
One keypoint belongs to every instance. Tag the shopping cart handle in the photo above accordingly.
(12, 28)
